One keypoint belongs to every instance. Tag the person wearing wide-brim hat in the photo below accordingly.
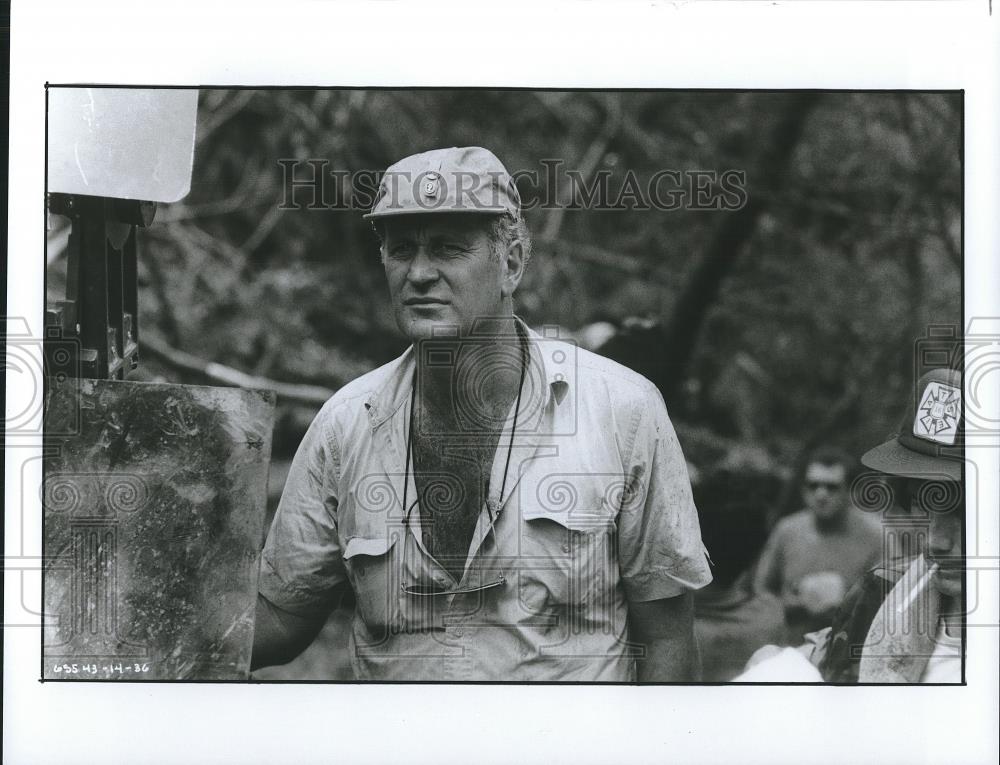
(902, 623)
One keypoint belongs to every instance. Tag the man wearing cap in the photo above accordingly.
(902, 622)
(503, 505)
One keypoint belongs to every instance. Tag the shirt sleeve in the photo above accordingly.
(659, 539)
(302, 561)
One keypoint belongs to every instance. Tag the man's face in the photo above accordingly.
(825, 490)
(441, 273)
(944, 546)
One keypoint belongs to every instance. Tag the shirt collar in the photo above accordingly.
(548, 352)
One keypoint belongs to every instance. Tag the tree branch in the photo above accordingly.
(169, 320)
(264, 227)
(789, 498)
(240, 199)
(600, 257)
(731, 236)
(223, 114)
(220, 374)
(953, 250)
(586, 166)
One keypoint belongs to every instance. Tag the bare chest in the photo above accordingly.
(452, 477)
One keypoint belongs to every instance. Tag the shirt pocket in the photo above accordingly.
(374, 575)
(566, 565)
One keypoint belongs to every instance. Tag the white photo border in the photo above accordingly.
(572, 43)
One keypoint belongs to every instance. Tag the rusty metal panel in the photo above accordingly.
(154, 503)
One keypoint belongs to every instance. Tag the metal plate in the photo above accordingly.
(121, 143)
(154, 503)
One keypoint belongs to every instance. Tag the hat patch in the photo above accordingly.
(430, 186)
(938, 414)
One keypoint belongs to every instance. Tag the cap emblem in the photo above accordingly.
(938, 414)
(430, 186)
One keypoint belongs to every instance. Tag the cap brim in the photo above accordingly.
(459, 211)
(895, 459)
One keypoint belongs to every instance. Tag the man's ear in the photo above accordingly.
(513, 268)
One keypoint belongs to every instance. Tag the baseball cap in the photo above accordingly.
(468, 179)
(929, 441)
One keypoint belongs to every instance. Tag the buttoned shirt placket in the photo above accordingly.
(459, 629)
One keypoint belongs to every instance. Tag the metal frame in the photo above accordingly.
(100, 312)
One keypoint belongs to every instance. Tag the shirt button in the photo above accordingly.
(458, 632)
(565, 547)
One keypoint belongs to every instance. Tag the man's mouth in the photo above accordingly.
(424, 301)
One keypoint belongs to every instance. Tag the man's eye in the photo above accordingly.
(401, 251)
(451, 250)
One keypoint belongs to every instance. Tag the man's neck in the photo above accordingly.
(831, 524)
(471, 377)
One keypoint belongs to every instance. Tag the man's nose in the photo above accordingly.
(422, 269)
(945, 536)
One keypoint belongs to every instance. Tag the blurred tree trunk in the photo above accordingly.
(765, 177)
(843, 409)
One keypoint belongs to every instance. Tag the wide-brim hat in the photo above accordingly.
(469, 179)
(929, 442)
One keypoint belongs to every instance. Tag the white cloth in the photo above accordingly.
(945, 664)
(786, 666)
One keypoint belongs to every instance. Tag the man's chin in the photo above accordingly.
(826, 514)
(427, 327)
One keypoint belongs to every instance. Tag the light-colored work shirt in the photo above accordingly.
(945, 663)
(596, 512)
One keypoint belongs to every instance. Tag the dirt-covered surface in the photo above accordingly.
(154, 509)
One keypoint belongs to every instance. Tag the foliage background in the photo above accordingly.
(854, 252)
